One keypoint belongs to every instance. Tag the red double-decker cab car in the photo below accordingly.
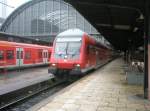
(75, 52)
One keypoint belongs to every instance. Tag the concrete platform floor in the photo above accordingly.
(104, 90)
(14, 80)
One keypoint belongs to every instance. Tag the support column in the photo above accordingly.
(148, 76)
(147, 51)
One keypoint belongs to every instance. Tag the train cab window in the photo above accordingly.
(1, 55)
(10, 54)
(61, 48)
(74, 48)
(28, 55)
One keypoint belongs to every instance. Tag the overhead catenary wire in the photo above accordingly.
(6, 5)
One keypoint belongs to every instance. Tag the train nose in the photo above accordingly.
(65, 65)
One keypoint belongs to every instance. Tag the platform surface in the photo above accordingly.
(12, 81)
(104, 90)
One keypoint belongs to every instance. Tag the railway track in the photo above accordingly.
(26, 101)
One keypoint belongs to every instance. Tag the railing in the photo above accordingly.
(134, 73)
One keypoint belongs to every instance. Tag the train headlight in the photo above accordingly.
(66, 57)
(78, 65)
(53, 65)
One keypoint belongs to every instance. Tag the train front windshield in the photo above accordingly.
(67, 49)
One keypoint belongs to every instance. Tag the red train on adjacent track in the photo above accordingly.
(75, 52)
(18, 55)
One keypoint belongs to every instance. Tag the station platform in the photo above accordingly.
(103, 90)
(12, 81)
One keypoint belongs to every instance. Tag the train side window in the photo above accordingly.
(40, 54)
(21, 54)
(1, 55)
(49, 54)
(18, 55)
(28, 55)
(10, 54)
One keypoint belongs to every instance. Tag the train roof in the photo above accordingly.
(6, 43)
(75, 32)
(71, 32)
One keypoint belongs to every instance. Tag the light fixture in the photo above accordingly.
(53, 64)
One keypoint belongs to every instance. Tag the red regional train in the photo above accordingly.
(18, 55)
(76, 53)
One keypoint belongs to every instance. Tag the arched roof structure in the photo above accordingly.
(41, 19)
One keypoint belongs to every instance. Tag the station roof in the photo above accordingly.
(16, 38)
(120, 21)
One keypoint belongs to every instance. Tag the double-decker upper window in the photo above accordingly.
(27, 55)
(10, 54)
(40, 54)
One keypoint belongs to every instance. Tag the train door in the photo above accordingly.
(19, 58)
(45, 56)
